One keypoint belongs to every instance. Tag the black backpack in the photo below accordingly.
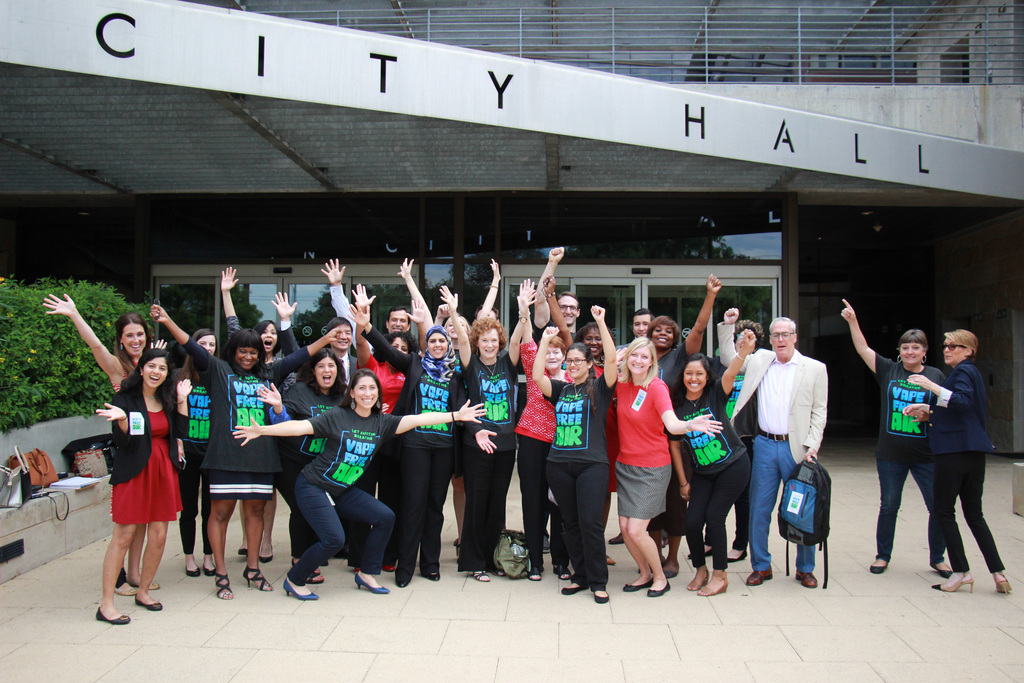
(804, 509)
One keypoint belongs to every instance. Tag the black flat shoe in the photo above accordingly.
(944, 573)
(152, 607)
(651, 593)
(266, 559)
(630, 588)
(431, 576)
(192, 572)
(573, 590)
(120, 621)
(403, 582)
(743, 556)
(878, 568)
(600, 599)
(209, 572)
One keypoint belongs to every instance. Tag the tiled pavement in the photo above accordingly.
(891, 627)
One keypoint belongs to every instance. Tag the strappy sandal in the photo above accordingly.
(223, 584)
(254, 574)
(482, 577)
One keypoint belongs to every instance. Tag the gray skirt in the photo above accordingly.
(641, 490)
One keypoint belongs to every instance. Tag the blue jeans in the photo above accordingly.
(772, 463)
(325, 518)
(891, 477)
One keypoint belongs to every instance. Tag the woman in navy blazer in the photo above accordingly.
(958, 439)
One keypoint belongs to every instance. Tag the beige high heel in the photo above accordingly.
(1003, 586)
(964, 580)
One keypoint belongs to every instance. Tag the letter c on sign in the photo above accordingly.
(103, 41)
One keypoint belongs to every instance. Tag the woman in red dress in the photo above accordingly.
(148, 419)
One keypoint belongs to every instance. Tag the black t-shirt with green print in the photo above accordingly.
(710, 453)
(351, 442)
(302, 402)
(900, 439)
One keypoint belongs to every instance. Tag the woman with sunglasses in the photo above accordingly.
(959, 441)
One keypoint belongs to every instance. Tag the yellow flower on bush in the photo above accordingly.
(31, 350)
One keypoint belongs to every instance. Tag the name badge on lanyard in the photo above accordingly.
(136, 424)
(639, 400)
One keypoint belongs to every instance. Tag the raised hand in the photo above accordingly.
(419, 313)
(359, 293)
(184, 388)
(271, 396)
(158, 314)
(112, 413)
(360, 315)
(450, 299)
(495, 273)
(228, 279)
(549, 285)
(748, 342)
(548, 333)
(527, 295)
(731, 316)
(442, 311)
(405, 270)
(285, 310)
(849, 315)
(713, 284)
(556, 254)
(158, 344)
(598, 313)
(60, 306)
(333, 273)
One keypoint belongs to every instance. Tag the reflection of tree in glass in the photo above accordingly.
(315, 318)
(249, 314)
(191, 306)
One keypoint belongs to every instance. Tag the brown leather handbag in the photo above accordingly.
(41, 467)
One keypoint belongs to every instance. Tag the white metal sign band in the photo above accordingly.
(182, 44)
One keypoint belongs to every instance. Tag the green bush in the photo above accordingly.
(46, 370)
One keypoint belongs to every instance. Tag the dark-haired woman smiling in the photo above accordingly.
(319, 387)
(234, 384)
(577, 466)
(353, 433)
(148, 418)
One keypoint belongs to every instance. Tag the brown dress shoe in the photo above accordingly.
(756, 578)
(807, 580)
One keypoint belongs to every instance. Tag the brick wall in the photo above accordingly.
(980, 286)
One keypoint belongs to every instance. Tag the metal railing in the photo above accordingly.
(731, 44)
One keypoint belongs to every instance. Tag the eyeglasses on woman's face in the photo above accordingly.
(575, 361)
(949, 346)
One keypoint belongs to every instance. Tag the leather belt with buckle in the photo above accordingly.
(773, 437)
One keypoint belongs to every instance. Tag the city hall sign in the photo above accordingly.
(182, 44)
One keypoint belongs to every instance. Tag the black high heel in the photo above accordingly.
(254, 574)
(223, 584)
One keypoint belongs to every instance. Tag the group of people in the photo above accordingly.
(363, 446)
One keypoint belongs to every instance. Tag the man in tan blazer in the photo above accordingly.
(792, 404)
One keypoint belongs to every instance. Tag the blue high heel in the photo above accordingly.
(290, 590)
(376, 590)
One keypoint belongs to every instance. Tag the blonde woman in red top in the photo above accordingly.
(644, 411)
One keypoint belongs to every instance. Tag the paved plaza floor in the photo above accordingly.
(864, 627)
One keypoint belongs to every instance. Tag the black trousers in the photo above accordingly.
(963, 475)
(487, 477)
(580, 490)
(711, 498)
(742, 506)
(425, 477)
(533, 485)
(300, 533)
(192, 485)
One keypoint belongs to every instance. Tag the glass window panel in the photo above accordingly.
(190, 305)
(439, 222)
(683, 302)
(313, 311)
(478, 278)
(479, 227)
(253, 303)
(435, 275)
